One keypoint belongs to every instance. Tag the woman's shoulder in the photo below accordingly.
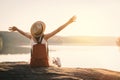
(46, 36)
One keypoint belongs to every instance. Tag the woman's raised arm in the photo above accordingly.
(47, 36)
(20, 31)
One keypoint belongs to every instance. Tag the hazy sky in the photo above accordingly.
(94, 17)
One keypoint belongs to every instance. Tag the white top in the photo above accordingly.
(33, 42)
(43, 42)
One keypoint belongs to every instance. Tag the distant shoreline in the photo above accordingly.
(11, 42)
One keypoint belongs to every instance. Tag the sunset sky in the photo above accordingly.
(94, 17)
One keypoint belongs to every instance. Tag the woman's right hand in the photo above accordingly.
(13, 28)
(73, 19)
(118, 41)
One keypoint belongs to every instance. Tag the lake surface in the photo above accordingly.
(107, 57)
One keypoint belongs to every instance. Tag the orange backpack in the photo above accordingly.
(39, 57)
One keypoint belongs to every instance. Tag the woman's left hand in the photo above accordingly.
(13, 28)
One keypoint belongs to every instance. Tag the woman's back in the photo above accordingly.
(39, 55)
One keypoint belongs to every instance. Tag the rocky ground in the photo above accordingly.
(22, 71)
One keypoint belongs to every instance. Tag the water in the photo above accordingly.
(107, 57)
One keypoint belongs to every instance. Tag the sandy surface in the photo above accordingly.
(22, 71)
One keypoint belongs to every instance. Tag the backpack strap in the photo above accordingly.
(39, 39)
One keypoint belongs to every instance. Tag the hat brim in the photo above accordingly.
(37, 33)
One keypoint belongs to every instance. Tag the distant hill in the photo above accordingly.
(89, 40)
(12, 42)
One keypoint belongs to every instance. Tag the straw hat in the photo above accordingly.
(37, 28)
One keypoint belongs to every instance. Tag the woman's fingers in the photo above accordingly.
(12, 28)
(74, 18)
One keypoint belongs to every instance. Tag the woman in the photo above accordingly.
(37, 36)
